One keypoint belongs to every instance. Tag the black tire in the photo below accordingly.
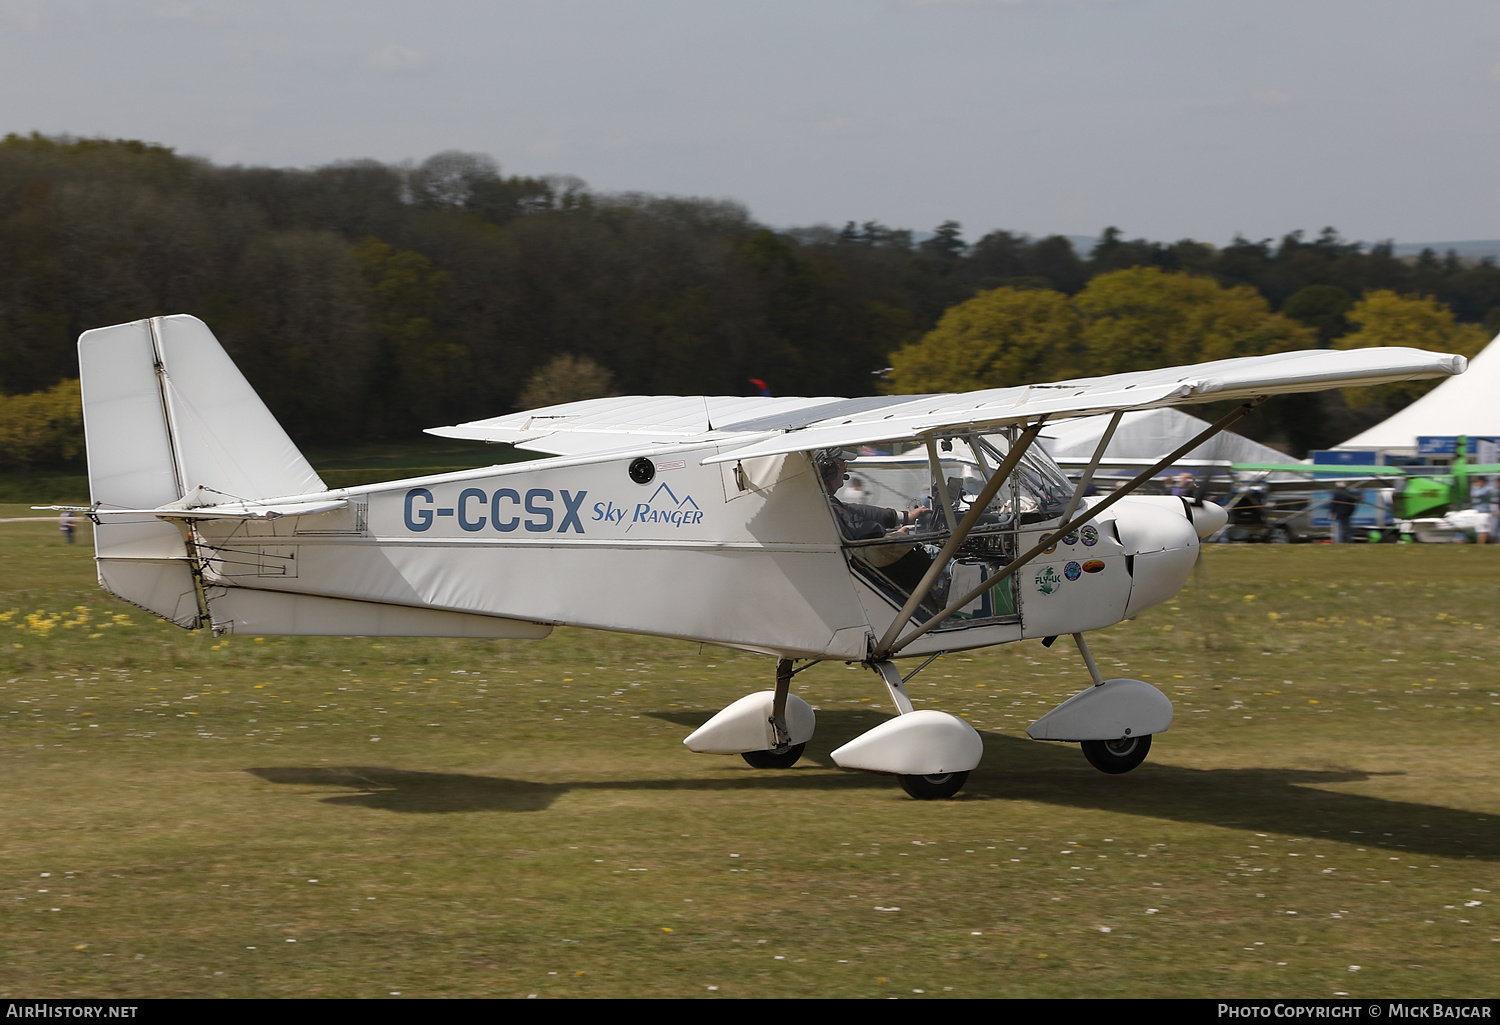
(1117, 756)
(774, 760)
(936, 787)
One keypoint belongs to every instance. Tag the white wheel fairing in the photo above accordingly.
(921, 743)
(746, 725)
(1114, 709)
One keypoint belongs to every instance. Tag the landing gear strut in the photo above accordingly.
(785, 754)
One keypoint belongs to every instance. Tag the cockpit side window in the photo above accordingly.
(895, 515)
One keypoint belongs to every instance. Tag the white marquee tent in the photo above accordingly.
(1468, 404)
(1149, 434)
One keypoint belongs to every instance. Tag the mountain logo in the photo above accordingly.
(664, 507)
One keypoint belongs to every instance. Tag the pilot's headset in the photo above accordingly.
(827, 462)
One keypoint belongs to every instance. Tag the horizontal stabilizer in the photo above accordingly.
(228, 511)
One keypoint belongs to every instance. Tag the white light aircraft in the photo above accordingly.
(861, 530)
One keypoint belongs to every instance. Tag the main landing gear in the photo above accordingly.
(770, 729)
(931, 753)
(784, 754)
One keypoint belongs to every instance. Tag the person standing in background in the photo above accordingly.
(1485, 494)
(1341, 508)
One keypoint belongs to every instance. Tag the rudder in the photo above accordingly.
(170, 420)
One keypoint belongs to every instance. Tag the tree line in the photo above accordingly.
(368, 300)
(1144, 317)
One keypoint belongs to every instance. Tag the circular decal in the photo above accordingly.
(1071, 537)
(1072, 570)
(1090, 536)
(1093, 566)
(1050, 548)
(1048, 580)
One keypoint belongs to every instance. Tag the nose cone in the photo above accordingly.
(1163, 543)
(1208, 518)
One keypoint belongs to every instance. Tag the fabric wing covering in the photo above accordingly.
(759, 426)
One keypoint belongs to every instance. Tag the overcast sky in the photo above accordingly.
(1168, 118)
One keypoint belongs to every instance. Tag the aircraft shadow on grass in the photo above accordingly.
(1285, 801)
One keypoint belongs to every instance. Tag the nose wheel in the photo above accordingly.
(1117, 756)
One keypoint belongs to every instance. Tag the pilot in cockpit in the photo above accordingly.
(858, 521)
(903, 564)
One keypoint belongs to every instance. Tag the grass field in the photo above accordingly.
(265, 817)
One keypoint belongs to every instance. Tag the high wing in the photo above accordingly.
(751, 427)
(597, 426)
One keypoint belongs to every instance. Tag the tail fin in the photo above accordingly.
(166, 413)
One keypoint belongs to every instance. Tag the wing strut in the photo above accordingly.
(960, 533)
(1088, 473)
(940, 482)
(1222, 423)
